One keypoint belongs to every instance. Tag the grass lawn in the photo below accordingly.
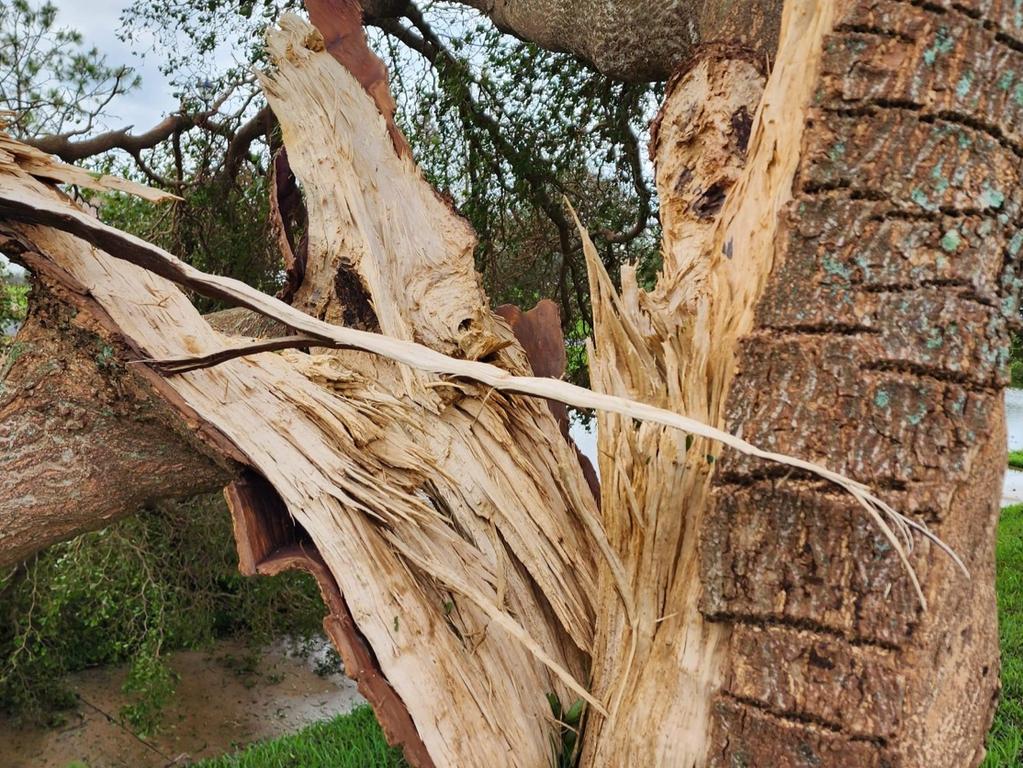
(349, 741)
(1016, 459)
(355, 740)
(1005, 745)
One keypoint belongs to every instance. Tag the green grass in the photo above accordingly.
(1016, 459)
(355, 740)
(1005, 744)
(348, 741)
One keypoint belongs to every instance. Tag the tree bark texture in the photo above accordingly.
(879, 348)
(84, 439)
(632, 40)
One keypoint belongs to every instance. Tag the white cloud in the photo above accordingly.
(99, 22)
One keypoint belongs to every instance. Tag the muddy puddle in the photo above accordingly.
(226, 698)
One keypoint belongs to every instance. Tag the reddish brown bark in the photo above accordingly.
(271, 542)
(880, 351)
(340, 23)
(538, 330)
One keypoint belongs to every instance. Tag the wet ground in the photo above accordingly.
(225, 699)
(1012, 490)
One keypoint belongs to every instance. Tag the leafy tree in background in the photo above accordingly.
(474, 118)
(13, 303)
(49, 81)
(480, 129)
(164, 579)
(481, 134)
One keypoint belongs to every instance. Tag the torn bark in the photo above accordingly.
(287, 213)
(270, 542)
(728, 602)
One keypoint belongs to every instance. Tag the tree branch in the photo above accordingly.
(74, 423)
(73, 151)
(430, 46)
(639, 41)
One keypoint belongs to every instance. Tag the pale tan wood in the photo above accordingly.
(40, 164)
(419, 502)
(451, 514)
(675, 347)
(20, 204)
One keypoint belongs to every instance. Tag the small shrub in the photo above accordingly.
(164, 579)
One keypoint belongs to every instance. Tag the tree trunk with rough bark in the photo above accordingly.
(839, 284)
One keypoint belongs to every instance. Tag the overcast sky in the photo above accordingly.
(99, 22)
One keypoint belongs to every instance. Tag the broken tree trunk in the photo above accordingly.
(75, 423)
(671, 347)
(446, 539)
(878, 347)
(852, 303)
(839, 279)
(876, 343)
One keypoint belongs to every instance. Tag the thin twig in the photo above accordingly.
(114, 721)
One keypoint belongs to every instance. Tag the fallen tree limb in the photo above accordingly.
(44, 166)
(366, 458)
(74, 423)
(19, 204)
(451, 516)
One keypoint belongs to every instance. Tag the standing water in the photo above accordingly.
(1012, 490)
(225, 699)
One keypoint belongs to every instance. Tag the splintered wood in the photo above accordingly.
(461, 556)
(726, 149)
(458, 545)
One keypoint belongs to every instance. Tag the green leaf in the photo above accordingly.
(574, 713)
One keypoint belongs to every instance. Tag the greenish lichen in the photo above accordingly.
(959, 404)
(943, 44)
(918, 415)
(951, 240)
(964, 85)
(991, 197)
(920, 198)
(14, 351)
(1016, 243)
(836, 268)
(105, 357)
